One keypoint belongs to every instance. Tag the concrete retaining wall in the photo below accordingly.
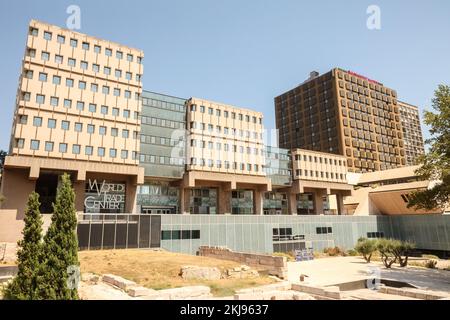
(276, 266)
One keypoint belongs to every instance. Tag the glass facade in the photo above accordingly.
(162, 137)
(278, 165)
(305, 203)
(275, 203)
(158, 198)
(103, 196)
(203, 201)
(242, 202)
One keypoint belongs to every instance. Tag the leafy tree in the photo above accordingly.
(436, 163)
(366, 247)
(61, 245)
(402, 250)
(386, 249)
(25, 285)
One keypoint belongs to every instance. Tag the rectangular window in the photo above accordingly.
(119, 54)
(81, 85)
(58, 59)
(34, 144)
(101, 152)
(105, 90)
(85, 46)
(128, 75)
(73, 43)
(69, 83)
(90, 128)
(80, 105)
(40, 99)
(76, 149)
(112, 153)
(126, 134)
(97, 49)
(102, 130)
(47, 35)
(96, 68)
(94, 87)
(67, 103)
(114, 132)
(65, 125)
(49, 146)
(84, 65)
(71, 62)
(51, 124)
(126, 113)
(61, 39)
(115, 112)
(23, 119)
(118, 73)
(45, 56)
(108, 52)
(63, 147)
(130, 57)
(107, 71)
(42, 77)
(78, 127)
(116, 92)
(124, 154)
(54, 101)
(34, 31)
(88, 150)
(37, 121)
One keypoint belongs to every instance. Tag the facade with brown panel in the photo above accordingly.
(343, 113)
(77, 110)
(412, 132)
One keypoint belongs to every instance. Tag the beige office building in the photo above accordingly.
(319, 182)
(225, 160)
(77, 110)
(412, 132)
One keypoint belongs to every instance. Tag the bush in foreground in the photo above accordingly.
(366, 248)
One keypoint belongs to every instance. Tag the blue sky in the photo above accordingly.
(247, 52)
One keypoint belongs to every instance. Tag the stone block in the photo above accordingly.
(320, 291)
(119, 282)
(141, 291)
(202, 273)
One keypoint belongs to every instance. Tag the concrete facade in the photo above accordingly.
(412, 132)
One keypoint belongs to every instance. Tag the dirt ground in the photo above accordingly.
(160, 269)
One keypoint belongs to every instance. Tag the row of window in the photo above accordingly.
(226, 114)
(226, 164)
(78, 127)
(84, 65)
(47, 35)
(234, 132)
(327, 175)
(163, 105)
(80, 105)
(180, 234)
(226, 147)
(319, 159)
(82, 85)
(76, 149)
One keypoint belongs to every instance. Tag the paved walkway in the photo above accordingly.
(331, 271)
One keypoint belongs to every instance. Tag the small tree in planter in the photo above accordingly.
(402, 250)
(26, 284)
(366, 247)
(61, 245)
(386, 249)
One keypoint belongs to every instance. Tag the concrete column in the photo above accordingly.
(131, 197)
(16, 187)
(79, 188)
(187, 198)
(318, 203)
(181, 200)
(258, 198)
(340, 204)
(223, 199)
(292, 203)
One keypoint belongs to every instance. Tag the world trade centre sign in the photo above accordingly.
(103, 196)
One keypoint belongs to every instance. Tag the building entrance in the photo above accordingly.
(46, 186)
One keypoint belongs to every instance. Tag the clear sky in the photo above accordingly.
(244, 52)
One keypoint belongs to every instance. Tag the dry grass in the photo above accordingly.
(160, 269)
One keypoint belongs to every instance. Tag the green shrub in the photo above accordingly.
(366, 247)
(352, 253)
(334, 252)
(386, 249)
(402, 250)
